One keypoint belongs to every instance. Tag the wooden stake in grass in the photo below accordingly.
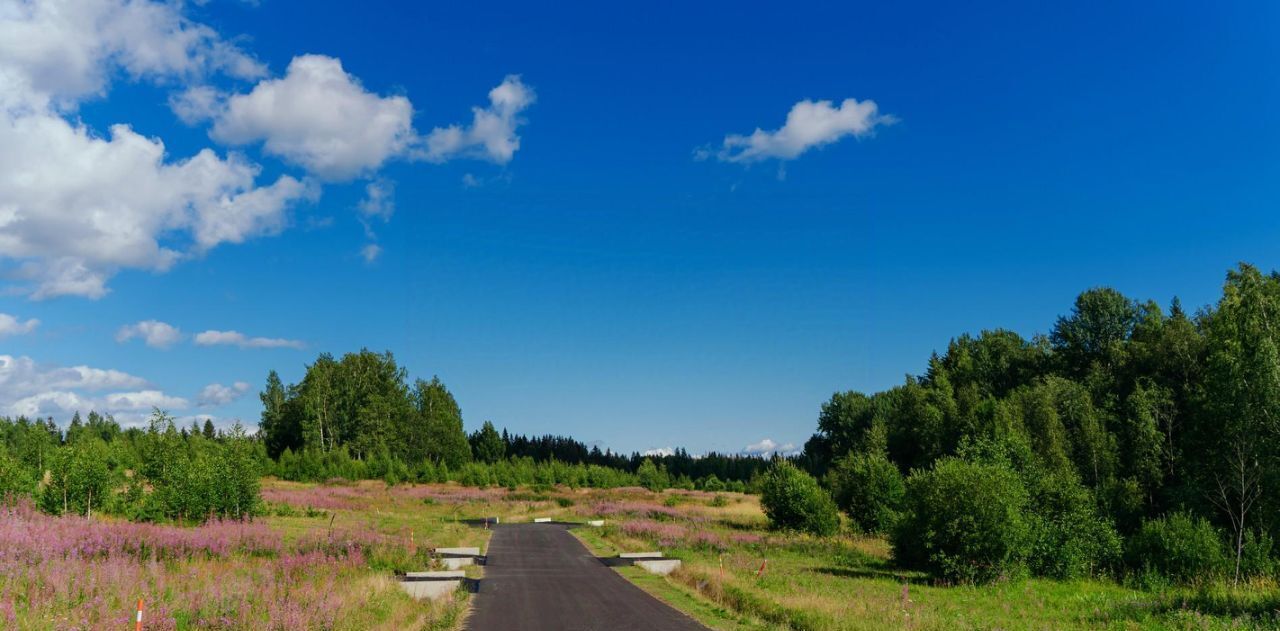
(138, 626)
(760, 572)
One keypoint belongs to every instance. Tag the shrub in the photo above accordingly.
(1178, 547)
(869, 489)
(1256, 558)
(652, 477)
(1070, 539)
(793, 500)
(964, 521)
(711, 483)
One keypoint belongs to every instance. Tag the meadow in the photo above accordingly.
(324, 555)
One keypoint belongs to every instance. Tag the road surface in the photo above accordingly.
(538, 577)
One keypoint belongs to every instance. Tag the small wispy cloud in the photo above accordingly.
(236, 338)
(809, 124)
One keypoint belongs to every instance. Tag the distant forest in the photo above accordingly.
(361, 407)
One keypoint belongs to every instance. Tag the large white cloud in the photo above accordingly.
(10, 325)
(492, 133)
(154, 333)
(61, 51)
(319, 117)
(79, 204)
(236, 338)
(31, 389)
(809, 124)
(75, 206)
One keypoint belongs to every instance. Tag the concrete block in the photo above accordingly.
(596, 522)
(430, 589)
(640, 555)
(541, 520)
(454, 563)
(429, 576)
(661, 567)
(475, 552)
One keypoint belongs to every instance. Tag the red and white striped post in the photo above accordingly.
(760, 572)
(138, 626)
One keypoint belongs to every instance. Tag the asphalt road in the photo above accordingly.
(538, 577)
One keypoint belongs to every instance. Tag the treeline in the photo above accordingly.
(1130, 439)
(158, 473)
(358, 417)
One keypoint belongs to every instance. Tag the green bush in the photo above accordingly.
(1178, 547)
(1069, 538)
(964, 521)
(793, 500)
(1256, 559)
(869, 489)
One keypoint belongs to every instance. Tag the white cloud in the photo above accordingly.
(143, 400)
(154, 333)
(216, 394)
(236, 338)
(10, 325)
(196, 104)
(492, 133)
(809, 124)
(470, 181)
(76, 207)
(58, 52)
(370, 252)
(321, 118)
(379, 200)
(768, 447)
(30, 389)
(660, 451)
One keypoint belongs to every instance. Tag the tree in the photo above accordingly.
(869, 489)
(209, 432)
(272, 426)
(793, 500)
(1101, 320)
(438, 421)
(487, 444)
(1243, 399)
(652, 477)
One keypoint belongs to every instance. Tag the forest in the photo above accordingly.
(1130, 440)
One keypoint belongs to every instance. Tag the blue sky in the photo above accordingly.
(589, 254)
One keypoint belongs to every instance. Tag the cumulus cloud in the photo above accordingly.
(236, 338)
(76, 207)
(768, 447)
(319, 117)
(216, 394)
(79, 204)
(154, 333)
(809, 124)
(10, 325)
(31, 389)
(659, 451)
(58, 52)
(492, 133)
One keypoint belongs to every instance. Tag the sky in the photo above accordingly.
(650, 225)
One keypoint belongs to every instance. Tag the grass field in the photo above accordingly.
(324, 556)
